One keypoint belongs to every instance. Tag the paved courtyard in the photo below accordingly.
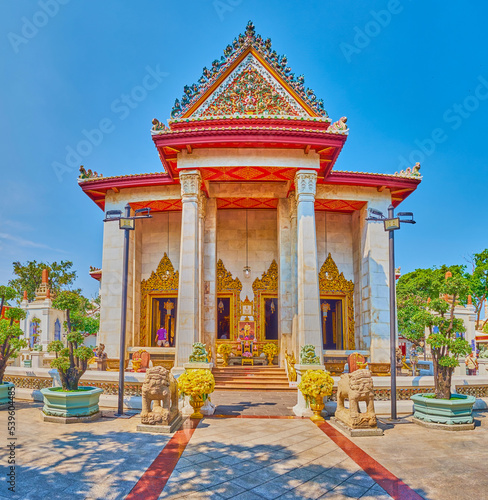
(242, 457)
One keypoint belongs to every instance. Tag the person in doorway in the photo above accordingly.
(471, 364)
(162, 337)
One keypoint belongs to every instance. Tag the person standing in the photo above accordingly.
(471, 364)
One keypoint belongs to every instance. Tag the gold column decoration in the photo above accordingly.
(226, 285)
(333, 283)
(266, 285)
(164, 279)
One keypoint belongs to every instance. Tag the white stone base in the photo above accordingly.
(161, 429)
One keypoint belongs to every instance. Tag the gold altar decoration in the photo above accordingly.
(227, 286)
(163, 280)
(291, 362)
(332, 283)
(247, 309)
(265, 287)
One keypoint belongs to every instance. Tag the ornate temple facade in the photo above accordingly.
(253, 232)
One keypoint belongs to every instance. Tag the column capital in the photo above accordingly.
(305, 185)
(190, 181)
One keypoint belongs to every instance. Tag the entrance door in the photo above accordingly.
(163, 315)
(332, 323)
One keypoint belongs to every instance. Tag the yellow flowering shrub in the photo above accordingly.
(195, 383)
(316, 384)
(224, 349)
(270, 349)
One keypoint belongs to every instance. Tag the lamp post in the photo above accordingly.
(127, 223)
(391, 224)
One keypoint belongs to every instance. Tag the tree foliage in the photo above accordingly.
(426, 301)
(10, 337)
(478, 283)
(28, 276)
(72, 361)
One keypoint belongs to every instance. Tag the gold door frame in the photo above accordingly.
(332, 284)
(227, 286)
(265, 287)
(262, 297)
(232, 314)
(156, 295)
(163, 283)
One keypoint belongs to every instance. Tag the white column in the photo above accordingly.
(187, 316)
(285, 279)
(307, 280)
(202, 203)
(294, 270)
(210, 276)
(374, 286)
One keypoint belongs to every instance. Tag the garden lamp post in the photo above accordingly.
(127, 223)
(392, 223)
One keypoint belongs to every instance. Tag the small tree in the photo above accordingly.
(6, 293)
(10, 337)
(72, 361)
(426, 300)
(478, 286)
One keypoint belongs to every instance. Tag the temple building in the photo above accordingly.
(253, 232)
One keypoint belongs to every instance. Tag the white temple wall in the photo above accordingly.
(334, 235)
(155, 241)
(209, 274)
(231, 243)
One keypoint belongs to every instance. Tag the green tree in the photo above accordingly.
(10, 341)
(72, 361)
(478, 286)
(426, 300)
(29, 276)
(7, 293)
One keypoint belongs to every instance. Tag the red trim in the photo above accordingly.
(153, 481)
(390, 483)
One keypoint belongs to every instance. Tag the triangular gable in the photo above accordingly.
(250, 89)
(267, 86)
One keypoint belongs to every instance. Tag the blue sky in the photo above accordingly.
(412, 78)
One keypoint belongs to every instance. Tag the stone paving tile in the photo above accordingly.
(228, 489)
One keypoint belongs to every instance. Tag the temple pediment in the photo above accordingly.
(249, 79)
(251, 89)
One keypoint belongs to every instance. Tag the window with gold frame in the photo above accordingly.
(229, 290)
(225, 316)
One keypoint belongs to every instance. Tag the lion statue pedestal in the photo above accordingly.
(356, 387)
(160, 389)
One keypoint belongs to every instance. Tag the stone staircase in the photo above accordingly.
(251, 378)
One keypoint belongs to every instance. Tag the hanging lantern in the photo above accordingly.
(221, 306)
(272, 306)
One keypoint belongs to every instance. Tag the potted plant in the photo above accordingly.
(10, 345)
(315, 385)
(72, 400)
(271, 350)
(426, 301)
(224, 350)
(197, 384)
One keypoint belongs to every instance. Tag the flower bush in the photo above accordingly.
(316, 384)
(196, 383)
(247, 354)
(270, 349)
(224, 349)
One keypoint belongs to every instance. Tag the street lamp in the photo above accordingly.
(391, 224)
(127, 223)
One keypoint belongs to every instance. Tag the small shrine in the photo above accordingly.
(255, 238)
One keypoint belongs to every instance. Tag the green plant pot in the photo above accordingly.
(81, 403)
(457, 410)
(4, 389)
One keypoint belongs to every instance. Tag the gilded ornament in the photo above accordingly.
(332, 282)
(225, 282)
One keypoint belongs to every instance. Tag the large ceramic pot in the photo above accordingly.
(456, 410)
(80, 403)
(4, 393)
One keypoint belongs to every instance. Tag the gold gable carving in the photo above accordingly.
(164, 279)
(333, 283)
(268, 281)
(225, 282)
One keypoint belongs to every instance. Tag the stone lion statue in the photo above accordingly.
(159, 386)
(356, 386)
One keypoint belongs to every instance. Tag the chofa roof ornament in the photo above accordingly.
(280, 63)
